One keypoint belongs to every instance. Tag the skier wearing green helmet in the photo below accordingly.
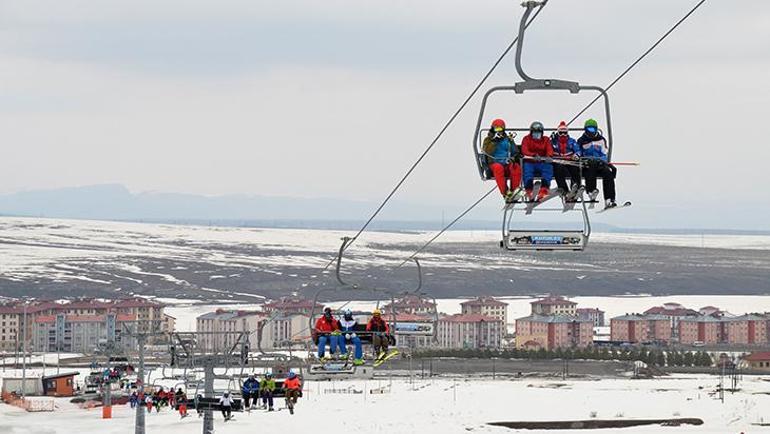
(593, 150)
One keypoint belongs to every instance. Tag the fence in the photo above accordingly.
(31, 405)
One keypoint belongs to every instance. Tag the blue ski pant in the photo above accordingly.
(543, 170)
(334, 342)
(358, 351)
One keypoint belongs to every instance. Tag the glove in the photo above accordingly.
(347, 336)
(500, 135)
(575, 157)
(336, 333)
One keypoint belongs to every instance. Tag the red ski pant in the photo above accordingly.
(502, 172)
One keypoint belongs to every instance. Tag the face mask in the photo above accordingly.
(591, 130)
(537, 135)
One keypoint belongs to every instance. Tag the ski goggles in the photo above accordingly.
(498, 129)
(563, 133)
(592, 130)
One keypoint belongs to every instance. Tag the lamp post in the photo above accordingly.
(24, 355)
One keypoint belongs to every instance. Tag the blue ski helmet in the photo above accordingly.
(291, 375)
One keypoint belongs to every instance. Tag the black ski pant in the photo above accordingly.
(267, 398)
(227, 411)
(246, 397)
(607, 172)
(562, 171)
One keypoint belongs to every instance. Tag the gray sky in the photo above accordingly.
(337, 98)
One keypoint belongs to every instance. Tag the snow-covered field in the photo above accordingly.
(64, 249)
(446, 406)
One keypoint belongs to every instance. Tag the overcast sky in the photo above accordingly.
(337, 98)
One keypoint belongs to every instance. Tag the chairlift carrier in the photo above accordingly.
(516, 239)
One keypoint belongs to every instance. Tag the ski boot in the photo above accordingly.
(593, 195)
(528, 195)
(358, 362)
(609, 203)
(542, 194)
(271, 409)
(572, 194)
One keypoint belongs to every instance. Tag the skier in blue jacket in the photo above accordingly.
(565, 148)
(593, 150)
(250, 390)
(347, 327)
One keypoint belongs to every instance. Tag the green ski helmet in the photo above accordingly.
(591, 123)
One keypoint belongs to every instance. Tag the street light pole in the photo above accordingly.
(24, 360)
(139, 420)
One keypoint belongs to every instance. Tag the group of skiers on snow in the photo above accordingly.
(160, 398)
(252, 389)
(340, 333)
(558, 156)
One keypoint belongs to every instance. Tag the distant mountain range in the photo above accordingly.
(116, 202)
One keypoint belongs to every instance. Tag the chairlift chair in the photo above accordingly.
(538, 240)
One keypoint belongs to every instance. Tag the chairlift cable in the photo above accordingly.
(636, 62)
(438, 136)
(478, 201)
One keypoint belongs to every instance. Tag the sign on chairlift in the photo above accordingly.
(544, 240)
(413, 328)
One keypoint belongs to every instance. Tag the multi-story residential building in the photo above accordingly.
(219, 330)
(411, 304)
(470, 331)
(10, 321)
(146, 314)
(674, 312)
(554, 305)
(638, 328)
(487, 306)
(748, 329)
(591, 313)
(553, 331)
(282, 331)
(705, 329)
(293, 305)
(78, 333)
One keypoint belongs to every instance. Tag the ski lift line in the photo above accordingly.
(413, 256)
(649, 50)
(441, 132)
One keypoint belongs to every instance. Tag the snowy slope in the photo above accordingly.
(445, 406)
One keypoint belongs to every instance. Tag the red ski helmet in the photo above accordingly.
(498, 124)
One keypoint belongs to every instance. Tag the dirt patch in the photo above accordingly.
(597, 423)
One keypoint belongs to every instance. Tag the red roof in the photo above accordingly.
(679, 311)
(484, 301)
(470, 318)
(761, 356)
(285, 303)
(408, 317)
(550, 300)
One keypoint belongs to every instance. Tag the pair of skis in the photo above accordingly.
(384, 357)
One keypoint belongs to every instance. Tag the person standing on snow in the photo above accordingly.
(380, 330)
(347, 327)
(565, 148)
(250, 390)
(327, 328)
(502, 156)
(535, 146)
(226, 405)
(267, 388)
(593, 150)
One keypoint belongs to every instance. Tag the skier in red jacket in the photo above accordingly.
(537, 146)
(328, 329)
